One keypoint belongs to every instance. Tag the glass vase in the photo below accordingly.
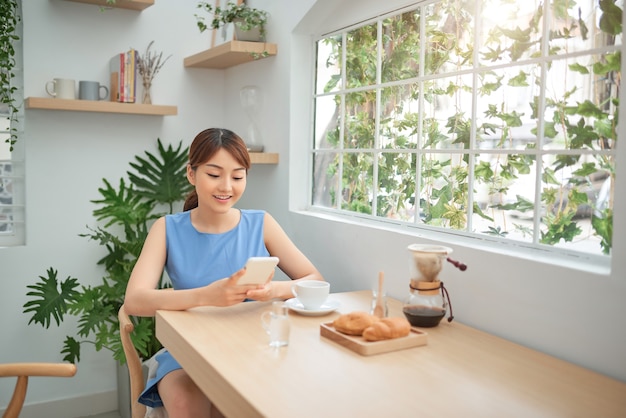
(146, 97)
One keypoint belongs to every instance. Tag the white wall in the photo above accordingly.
(573, 315)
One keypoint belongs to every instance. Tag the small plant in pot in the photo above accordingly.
(249, 22)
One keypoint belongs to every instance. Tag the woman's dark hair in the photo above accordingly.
(205, 145)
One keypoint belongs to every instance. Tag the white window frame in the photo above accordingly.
(557, 255)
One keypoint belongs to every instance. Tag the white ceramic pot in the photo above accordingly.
(252, 35)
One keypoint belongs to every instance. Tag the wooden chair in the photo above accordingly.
(25, 370)
(137, 383)
(135, 371)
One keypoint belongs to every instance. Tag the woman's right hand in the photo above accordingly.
(226, 292)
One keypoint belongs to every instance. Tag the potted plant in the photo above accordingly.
(127, 213)
(249, 22)
(157, 182)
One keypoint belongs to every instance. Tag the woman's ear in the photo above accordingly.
(191, 175)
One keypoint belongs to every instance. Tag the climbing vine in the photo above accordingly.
(9, 19)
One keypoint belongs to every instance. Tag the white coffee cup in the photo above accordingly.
(311, 293)
(61, 88)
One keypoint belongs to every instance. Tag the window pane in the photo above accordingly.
(327, 122)
(505, 118)
(325, 179)
(579, 28)
(504, 196)
(400, 52)
(448, 109)
(576, 192)
(357, 182)
(11, 190)
(581, 97)
(449, 35)
(510, 31)
(443, 190)
(396, 186)
(361, 57)
(360, 119)
(400, 117)
(328, 74)
(6, 192)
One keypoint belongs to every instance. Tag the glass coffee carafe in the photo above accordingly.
(426, 306)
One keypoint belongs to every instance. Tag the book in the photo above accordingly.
(132, 75)
(123, 69)
(115, 68)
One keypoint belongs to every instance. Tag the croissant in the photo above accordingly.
(354, 323)
(387, 328)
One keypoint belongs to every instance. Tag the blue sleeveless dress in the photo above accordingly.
(197, 259)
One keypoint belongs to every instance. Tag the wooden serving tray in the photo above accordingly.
(357, 344)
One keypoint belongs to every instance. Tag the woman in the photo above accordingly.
(203, 250)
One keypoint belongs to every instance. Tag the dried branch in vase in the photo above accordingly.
(148, 65)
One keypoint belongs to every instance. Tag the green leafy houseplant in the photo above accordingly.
(9, 19)
(156, 182)
(244, 17)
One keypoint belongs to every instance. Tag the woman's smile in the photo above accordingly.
(222, 197)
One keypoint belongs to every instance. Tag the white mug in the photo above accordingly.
(61, 88)
(276, 324)
(311, 293)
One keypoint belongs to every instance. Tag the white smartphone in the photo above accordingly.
(258, 270)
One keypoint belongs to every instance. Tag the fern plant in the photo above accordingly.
(126, 213)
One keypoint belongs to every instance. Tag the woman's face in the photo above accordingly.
(220, 182)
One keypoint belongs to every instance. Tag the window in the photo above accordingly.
(12, 228)
(492, 119)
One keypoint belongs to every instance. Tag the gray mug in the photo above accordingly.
(92, 90)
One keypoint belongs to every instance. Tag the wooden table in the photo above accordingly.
(461, 372)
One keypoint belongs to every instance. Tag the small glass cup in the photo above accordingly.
(276, 324)
(383, 300)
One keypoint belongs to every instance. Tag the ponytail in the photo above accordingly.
(191, 201)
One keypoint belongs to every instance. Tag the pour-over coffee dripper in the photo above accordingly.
(425, 305)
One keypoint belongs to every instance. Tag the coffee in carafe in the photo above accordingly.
(426, 306)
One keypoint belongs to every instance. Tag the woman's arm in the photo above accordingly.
(292, 262)
(144, 299)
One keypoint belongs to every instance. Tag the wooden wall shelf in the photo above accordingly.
(99, 106)
(44, 103)
(138, 5)
(263, 158)
(230, 54)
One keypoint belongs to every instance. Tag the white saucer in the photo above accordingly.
(328, 306)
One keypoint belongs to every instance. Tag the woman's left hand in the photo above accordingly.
(262, 293)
